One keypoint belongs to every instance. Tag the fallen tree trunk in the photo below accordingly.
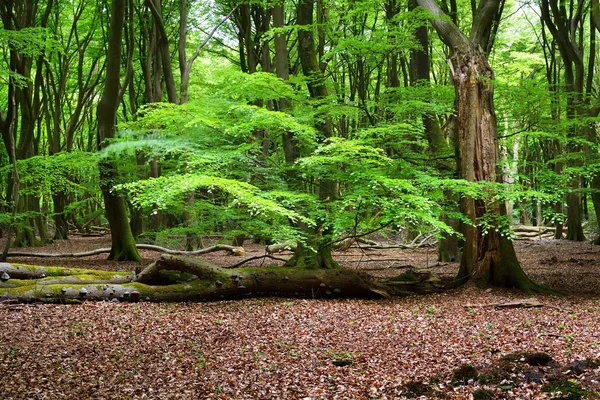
(218, 247)
(191, 279)
(522, 303)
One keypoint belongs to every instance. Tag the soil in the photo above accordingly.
(568, 267)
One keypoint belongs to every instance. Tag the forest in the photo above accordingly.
(340, 176)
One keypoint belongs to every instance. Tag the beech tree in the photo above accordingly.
(319, 127)
(565, 21)
(488, 255)
(123, 244)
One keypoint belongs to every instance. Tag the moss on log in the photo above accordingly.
(176, 278)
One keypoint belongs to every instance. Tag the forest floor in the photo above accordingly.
(280, 348)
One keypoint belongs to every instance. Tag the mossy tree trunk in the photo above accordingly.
(316, 256)
(316, 253)
(175, 278)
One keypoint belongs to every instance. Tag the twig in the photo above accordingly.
(386, 268)
(375, 260)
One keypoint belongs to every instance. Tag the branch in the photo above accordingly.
(129, 40)
(217, 247)
(446, 29)
(482, 21)
(210, 35)
(595, 10)
(333, 242)
(255, 258)
(524, 303)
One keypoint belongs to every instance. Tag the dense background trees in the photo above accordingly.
(309, 122)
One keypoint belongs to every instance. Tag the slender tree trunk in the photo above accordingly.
(163, 48)
(448, 249)
(318, 252)
(595, 186)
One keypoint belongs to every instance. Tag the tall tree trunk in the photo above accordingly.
(448, 248)
(317, 253)
(163, 47)
(567, 31)
(17, 15)
(488, 255)
(291, 151)
(123, 244)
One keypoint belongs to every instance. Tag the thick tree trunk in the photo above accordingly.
(574, 226)
(174, 278)
(312, 258)
(123, 244)
(488, 256)
(61, 228)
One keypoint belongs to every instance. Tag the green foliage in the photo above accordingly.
(75, 172)
(163, 191)
(28, 42)
(221, 154)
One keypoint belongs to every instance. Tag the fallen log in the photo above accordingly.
(531, 236)
(190, 279)
(522, 303)
(535, 229)
(279, 247)
(218, 247)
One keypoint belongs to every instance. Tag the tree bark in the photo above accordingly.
(196, 280)
(318, 254)
(123, 244)
(488, 255)
(163, 47)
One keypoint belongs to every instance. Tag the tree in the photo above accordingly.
(58, 72)
(488, 253)
(25, 102)
(565, 23)
(319, 256)
(123, 244)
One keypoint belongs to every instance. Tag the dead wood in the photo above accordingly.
(279, 247)
(218, 247)
(204, 281)
(394, 246)
(523, 303)
(408, 266)
(236, 265)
